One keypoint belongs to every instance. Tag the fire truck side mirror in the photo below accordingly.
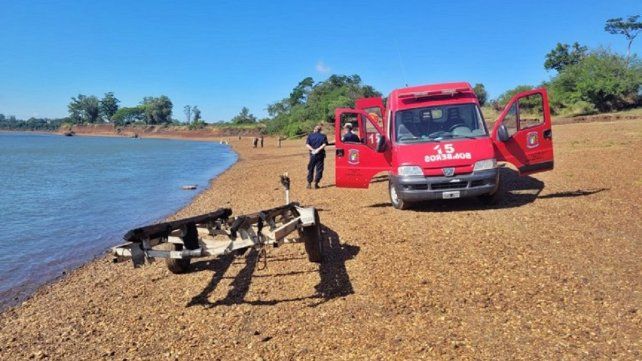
(502, 133)
(381, 143)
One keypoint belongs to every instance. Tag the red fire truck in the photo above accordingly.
(433, 142)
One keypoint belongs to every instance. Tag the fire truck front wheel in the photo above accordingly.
(175, 265)
(395, 199)
(492, 198)
(313, 240)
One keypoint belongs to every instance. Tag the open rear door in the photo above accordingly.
(361, 158)
(522, 135)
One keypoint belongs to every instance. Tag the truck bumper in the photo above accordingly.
(414, 189)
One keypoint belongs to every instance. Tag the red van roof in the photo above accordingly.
(444, 93)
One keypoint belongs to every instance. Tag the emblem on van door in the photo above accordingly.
(448, 172)
(532, 140)
(353, 156)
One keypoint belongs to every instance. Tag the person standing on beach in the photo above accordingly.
(261, 141)
(316, 143)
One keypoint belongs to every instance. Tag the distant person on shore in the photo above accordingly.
(349, 136)
(316, 143)
(255, 141)
(261, 141)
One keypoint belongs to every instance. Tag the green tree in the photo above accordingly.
(197, 114)
(603, 80)
(481, 93)
(197, 121)
(157, 110)
(108, 105)
(244, 117)
(311, 103)
(507, 95)
(278, 108)
(630, 28)
(188, 113)
(564, 55)
(84, 109)
(128, 115)
(300, 92)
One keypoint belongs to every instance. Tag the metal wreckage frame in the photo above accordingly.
(218, 233)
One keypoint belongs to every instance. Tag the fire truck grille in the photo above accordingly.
(416, 187)
(448, 185)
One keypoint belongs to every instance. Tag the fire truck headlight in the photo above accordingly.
(407, 170)
(485, 164)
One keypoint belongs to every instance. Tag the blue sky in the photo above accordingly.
(223, 55)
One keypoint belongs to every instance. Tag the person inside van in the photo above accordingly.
(349, 136)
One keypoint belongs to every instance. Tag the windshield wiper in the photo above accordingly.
(411, 140)
(451, 136)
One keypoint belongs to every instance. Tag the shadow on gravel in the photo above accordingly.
(576, 193)
(516, 192)
(334, 279)
(377, 179)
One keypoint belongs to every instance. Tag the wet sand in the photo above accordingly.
(553, 272)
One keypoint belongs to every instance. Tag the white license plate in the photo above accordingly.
(450, 195)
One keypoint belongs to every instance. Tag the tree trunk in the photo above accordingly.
(628, 51)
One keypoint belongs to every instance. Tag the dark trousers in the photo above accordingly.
(315, 165)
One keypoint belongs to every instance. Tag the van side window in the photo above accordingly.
(531, 111)
(375, 113)
(510, 120)
(372, 134)
(354, 121)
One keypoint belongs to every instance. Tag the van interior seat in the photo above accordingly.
(403, 132)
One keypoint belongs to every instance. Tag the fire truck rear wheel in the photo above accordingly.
(396, 201)
(175, 265)
(313, 240)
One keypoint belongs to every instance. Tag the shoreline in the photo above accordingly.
(21, 293)
(170, 135)
(448, 280)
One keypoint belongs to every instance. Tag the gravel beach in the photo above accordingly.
(553, 272)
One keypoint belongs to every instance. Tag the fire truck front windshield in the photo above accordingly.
(439, 122)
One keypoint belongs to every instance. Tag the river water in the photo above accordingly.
(65, 200)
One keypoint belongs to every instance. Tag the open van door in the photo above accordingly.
(522, 134)
(367, 154)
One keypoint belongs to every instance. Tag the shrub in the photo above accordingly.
(603, 79)
(507, 95)
(581, 107)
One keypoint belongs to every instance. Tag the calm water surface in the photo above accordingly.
(64, 200)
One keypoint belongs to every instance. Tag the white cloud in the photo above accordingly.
(322, 67)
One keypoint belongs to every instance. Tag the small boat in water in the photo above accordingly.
(188, 187)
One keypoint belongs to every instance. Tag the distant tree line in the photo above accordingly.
(90, 109)
(44, 124)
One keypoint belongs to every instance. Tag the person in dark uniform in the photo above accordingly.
(316, 143)
(349, 136)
